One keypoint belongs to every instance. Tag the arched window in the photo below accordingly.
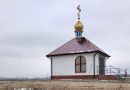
(80, 64)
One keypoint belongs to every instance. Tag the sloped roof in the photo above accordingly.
(76, 46)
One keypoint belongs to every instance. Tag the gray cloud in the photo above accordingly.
(30, 29)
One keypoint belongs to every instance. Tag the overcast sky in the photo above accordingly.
(30, 29)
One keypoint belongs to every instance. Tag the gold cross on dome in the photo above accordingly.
(79, 10)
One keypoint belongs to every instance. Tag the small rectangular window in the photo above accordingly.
(83, 68)
(77, 68)
(77, 60)
(83, 61)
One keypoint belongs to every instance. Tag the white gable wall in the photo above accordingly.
(65, 64)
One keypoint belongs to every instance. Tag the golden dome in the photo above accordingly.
(79, 26)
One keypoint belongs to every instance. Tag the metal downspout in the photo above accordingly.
(94, 64)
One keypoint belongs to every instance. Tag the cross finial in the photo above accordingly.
(79, 10)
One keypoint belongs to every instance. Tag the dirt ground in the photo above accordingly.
(64, 85)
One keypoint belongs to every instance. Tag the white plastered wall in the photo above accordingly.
(65, 64)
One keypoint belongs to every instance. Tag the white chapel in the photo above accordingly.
(78, 58)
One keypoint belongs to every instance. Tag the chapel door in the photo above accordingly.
(101, 66)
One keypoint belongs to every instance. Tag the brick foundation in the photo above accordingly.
(100, 77)
(107, 77)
